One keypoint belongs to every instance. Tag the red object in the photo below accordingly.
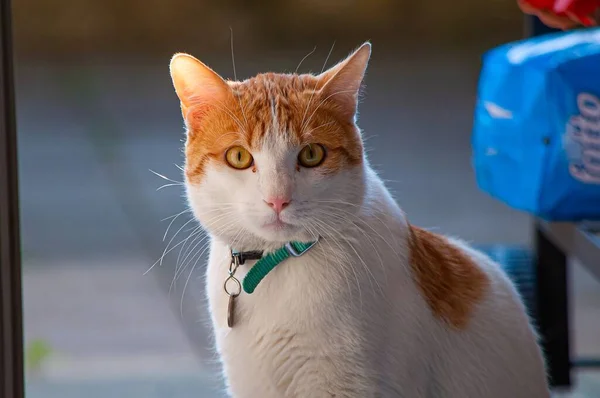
(581, 11)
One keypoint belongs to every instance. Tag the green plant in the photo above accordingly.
(36, 352)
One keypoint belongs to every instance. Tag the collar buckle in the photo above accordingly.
(243, 256)
(289, 247)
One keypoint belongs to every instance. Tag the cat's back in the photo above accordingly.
(484, 342)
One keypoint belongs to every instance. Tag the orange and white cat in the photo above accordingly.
(378, 307)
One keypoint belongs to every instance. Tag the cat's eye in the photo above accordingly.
(238, 158)
(311, 155)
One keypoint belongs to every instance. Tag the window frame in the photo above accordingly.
(11, 315)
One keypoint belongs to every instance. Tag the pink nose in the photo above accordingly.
(278, 204)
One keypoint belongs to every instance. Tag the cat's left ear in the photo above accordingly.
(342, 82)
(197, 85)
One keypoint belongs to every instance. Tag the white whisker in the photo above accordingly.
(302, 60)
(164, 177)
(304, 125)
(175, 215)
(348, 261)
(235, 77)
(170, 185)
(313, 93)
(188, 280)
(160, 260)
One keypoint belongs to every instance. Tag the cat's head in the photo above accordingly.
(274, 158)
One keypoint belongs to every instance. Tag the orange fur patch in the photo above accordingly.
(450, 281)
(303, 117)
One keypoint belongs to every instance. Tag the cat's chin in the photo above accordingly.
(278, 226)
(265, 238)
(280, 231)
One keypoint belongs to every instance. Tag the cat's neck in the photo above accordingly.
(252, 243)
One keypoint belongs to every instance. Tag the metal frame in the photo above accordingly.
(555, 244)
(580, 241)
(11, 329)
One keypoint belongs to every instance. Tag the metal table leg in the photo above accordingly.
(553, 308)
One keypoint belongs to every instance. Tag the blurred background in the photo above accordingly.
(97, 112)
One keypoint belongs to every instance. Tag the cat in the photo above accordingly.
(377, 307)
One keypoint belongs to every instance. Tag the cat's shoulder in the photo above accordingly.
(450, 279)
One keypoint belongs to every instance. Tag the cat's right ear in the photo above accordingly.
(342, 82)
(197, 85)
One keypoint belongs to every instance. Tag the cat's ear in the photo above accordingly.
(342, 82)
(196, 84)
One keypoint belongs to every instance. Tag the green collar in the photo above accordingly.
(267, 263)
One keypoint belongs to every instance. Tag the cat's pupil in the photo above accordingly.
(310, 153)
(239, 156)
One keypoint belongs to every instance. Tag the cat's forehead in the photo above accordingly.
(269, 85)
(276, 108)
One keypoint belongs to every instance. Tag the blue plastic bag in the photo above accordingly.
(536, 136)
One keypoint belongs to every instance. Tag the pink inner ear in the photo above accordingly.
(198, 102)
(342, 90)
(205, 91)
(343, 81)
(195, 113)
(197, 85)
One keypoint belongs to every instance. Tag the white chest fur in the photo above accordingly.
(315, 325)
(347, 319)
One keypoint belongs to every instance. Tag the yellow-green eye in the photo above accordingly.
(311, 155)
(238, 158)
